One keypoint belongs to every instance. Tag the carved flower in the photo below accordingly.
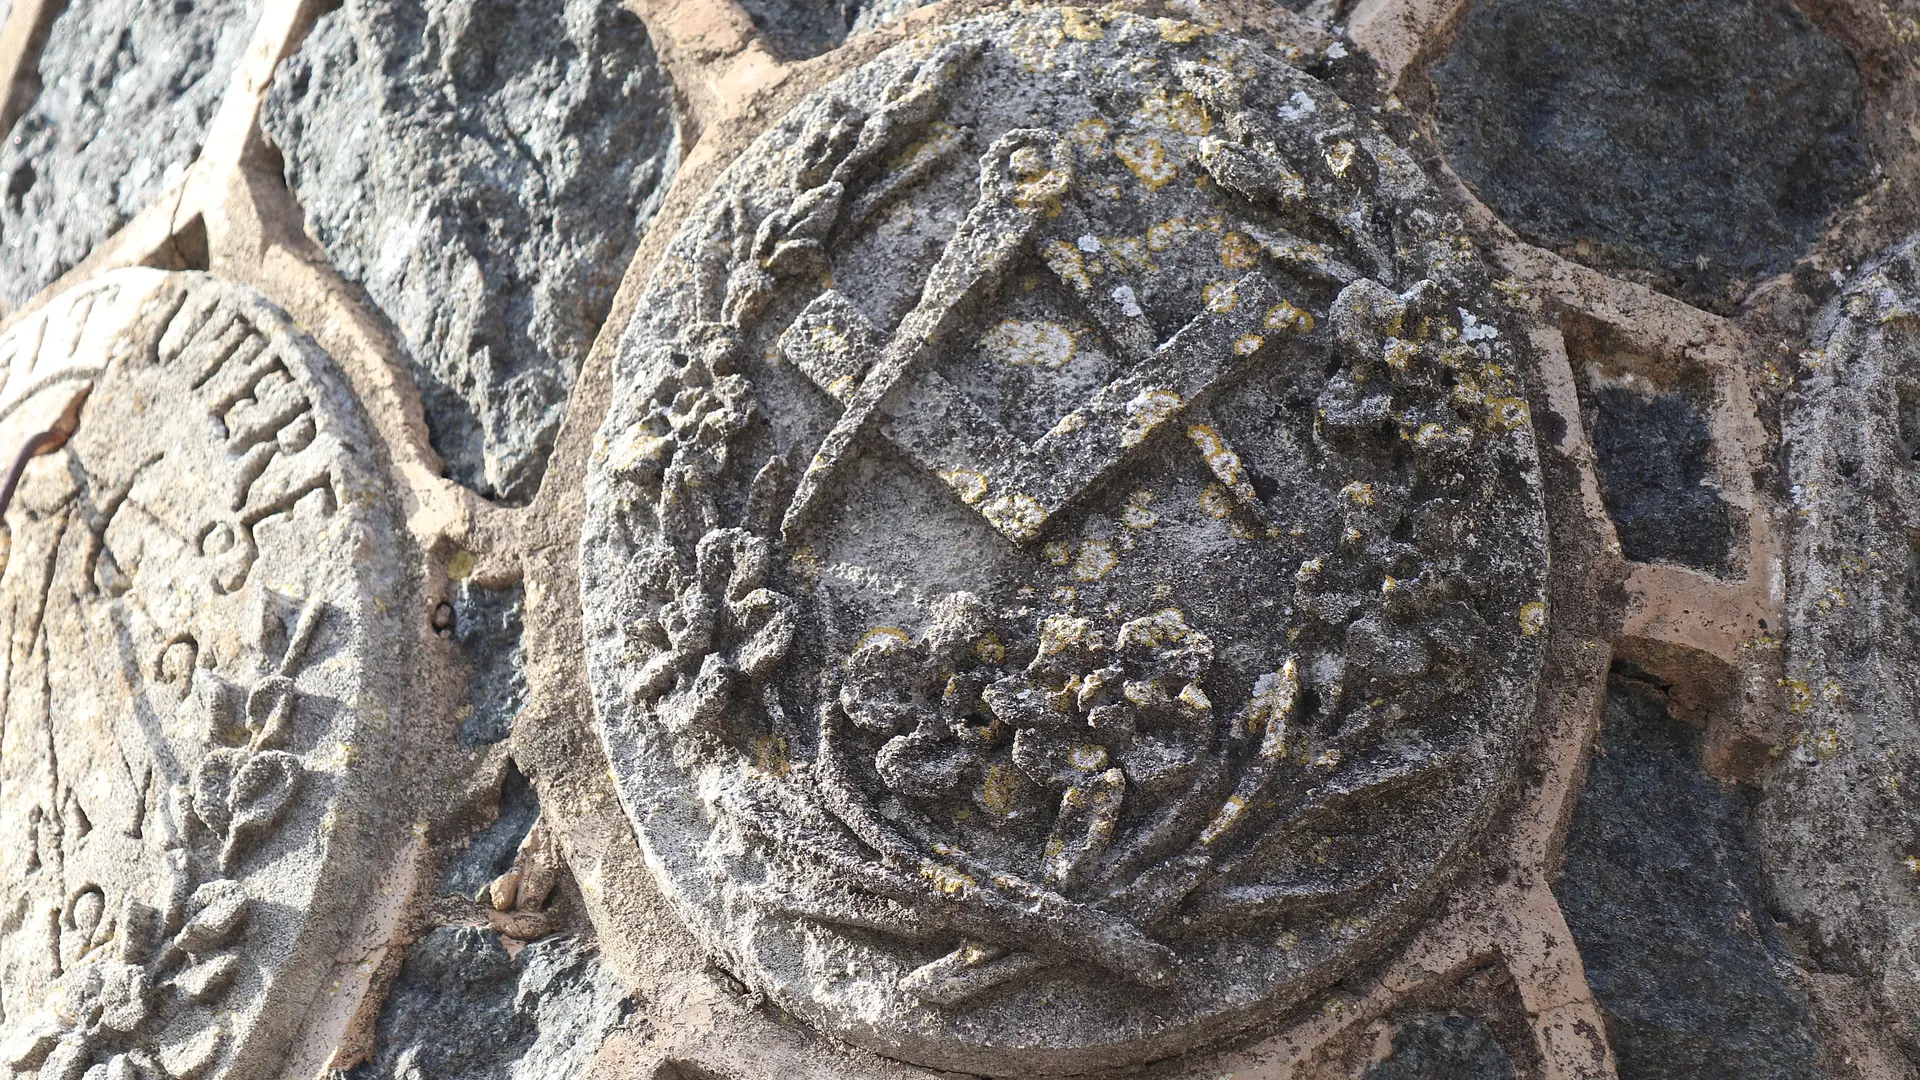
(722, 632)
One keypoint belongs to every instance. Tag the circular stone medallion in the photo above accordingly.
(1064, 564)
(197, 684)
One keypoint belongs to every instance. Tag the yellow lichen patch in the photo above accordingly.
(1168, 626)
(1000, 789)
(1081, 25)
(1136, 514)
(1057, 552)
(1827, 745)
(1034, 343)
(770, 755)
(1429, 435)
(1069, 424)
(888, 638)
(1285, 316)
(1147, 158)
(946, 879)
(989, 648)
(1287, 941)
(1162, 235)
(1216, 501)
(1273, 702)
(1193, 697)
(1220, 297)
(1220, 457)
(1059, 633)
(1239, 252)
(1309, 569)
(1066, 261)
(1799, 695)
(1088, 756)
(1129, 253)
(1179, 32)
(1146, 412)
(1358, 493)
(1507, 414)
(1094, 560)
(1248, 344)
(1230, 811)
(459, 565)
(1018, 516)
(1090, 134)
(1399, 353)
(1341, 156)
(1181, 113)
(635, 447)
(1533, 618)
(969, 485)
(1037, 46)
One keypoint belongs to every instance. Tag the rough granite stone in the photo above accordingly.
(1663, 891)
(1653, 450)
(463, 1009)
(800, 29)
(488, 624)
(1695, 144)
(190, 815)
(1437, 1047)
(1064, 562)
(484, 171)
(127, 90)
(489, 853)
(1841, 821)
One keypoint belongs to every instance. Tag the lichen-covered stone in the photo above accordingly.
(1663, 891)
(1841, 820)
(1064, 561)
(461, 1008)
(1438, 1047)
(1695, 144)
(127, 90)
(484, 171)
(206, 573)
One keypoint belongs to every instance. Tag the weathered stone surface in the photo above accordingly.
(484, 172)
(1653, 450)
(463, 1009)
(799, 29)
(1697, 144)
(199, 706)
(1064, 560)
(489, 853)
(487, 623)
(1436, 1047)
(1841, 820)
(128, 88)
(1663, 891)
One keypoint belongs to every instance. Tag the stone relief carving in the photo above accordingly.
(1065, 558)
(197, 683)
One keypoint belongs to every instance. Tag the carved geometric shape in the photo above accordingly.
(200, 678)
(1017, 754)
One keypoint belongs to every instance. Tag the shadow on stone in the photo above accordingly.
(1694, 144)
(491, 850)
(1662, 891)
(462, 1008)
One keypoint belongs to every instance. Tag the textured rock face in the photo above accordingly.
(1653, 448)
(1697, 144)
(799, 29)
(484, 172)
(1662, 889)
(487, 623)
(128, 87)
(1102, 613)
(200, 574)
(1843, 814)
(1444, 1048)
(463, 1009)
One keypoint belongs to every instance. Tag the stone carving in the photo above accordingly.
(198, 680)
(1064, 563)
(1841, 819)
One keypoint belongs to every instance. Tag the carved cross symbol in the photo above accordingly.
(1018, 487)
